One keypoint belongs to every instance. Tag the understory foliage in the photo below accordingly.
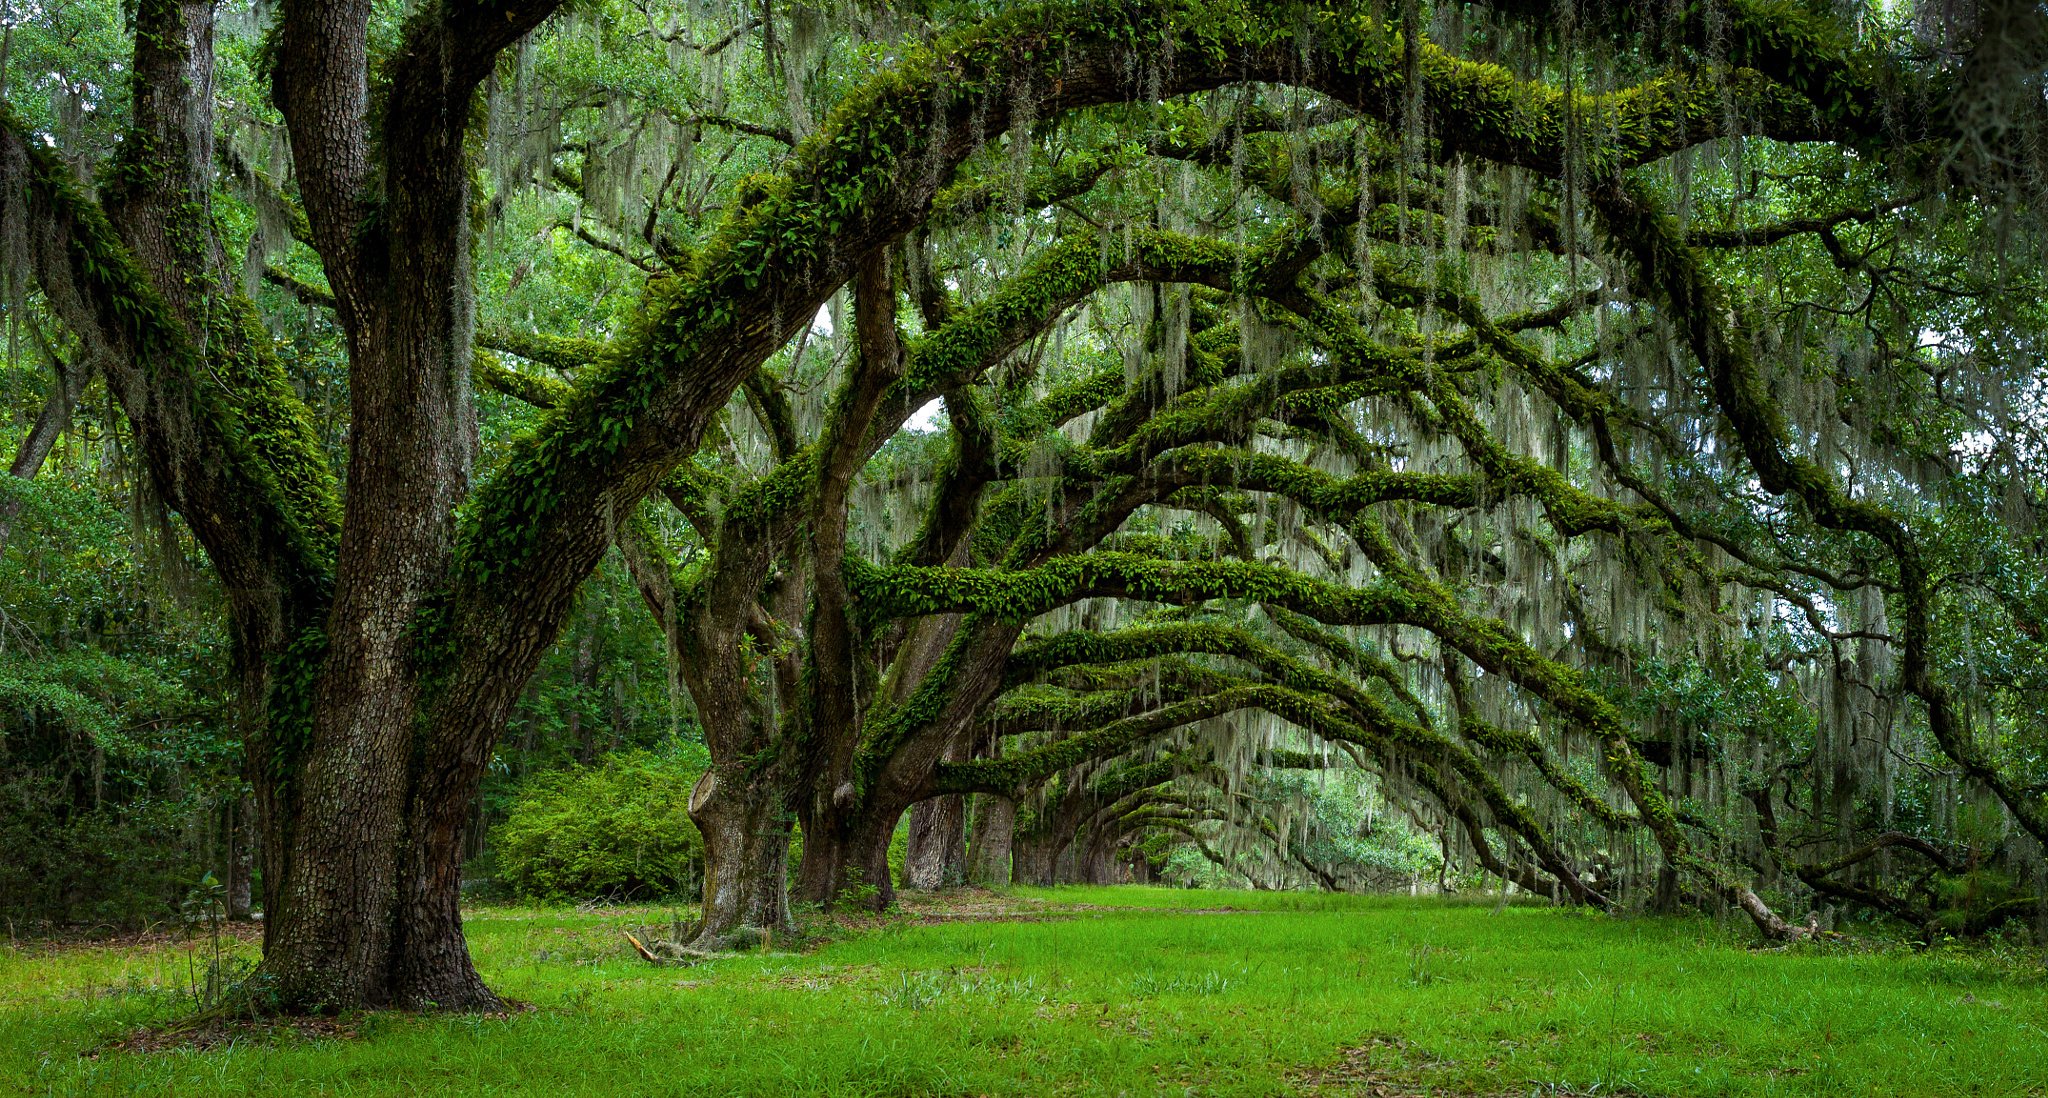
(613, 831)
(1594, 450)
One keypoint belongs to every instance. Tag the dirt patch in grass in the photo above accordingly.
(207, 1033)
(70, 939)
(978, 905)
(946, 906)
(221, 1032)
(1381, 1067)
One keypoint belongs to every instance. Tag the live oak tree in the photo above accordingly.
(897, 734)
(1460, 526)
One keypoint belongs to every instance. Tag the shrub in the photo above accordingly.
(620, 830)
(120, 865)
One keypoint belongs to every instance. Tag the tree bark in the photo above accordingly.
(1033, 858)
(846, 856)
(746, 855)
(995, 826)
(937, 853)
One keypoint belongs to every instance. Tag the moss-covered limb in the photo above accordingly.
(306, 293)
(1483, 110)
(1224, 508)
(491, 373)
(1037, 764)
(770, 405)
(1571, 509)
(645, 263)
(1118, 783)
(690, 488)
(1040, 710)
(1185, 133)
(1474, 827)
(1332, 497)
(1333, 429)
(1861, 91)
(1344, 652)
(1596, 410)
(1016, 595)
(561, 354)
(1497, 648)
(235, 453)
(1141, 674)
(1037, 658)
(1714, 327)
(968, 470)
(1529, 745)
(1286, 759)
(1586, 404)
(1758, 236)
(972, 340)
(1058, 278)
(1045, 186)
(1066, 402)
(1228, 413)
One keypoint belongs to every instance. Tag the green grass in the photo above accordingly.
(1153, 996)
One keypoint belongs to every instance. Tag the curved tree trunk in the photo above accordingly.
(746, 855)
(846, 857)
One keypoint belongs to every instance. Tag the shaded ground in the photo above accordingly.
(1094, 991)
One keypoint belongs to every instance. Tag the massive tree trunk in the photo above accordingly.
(995, 826)
(846, 855)
(746, 854)
(372, 866)
(1033, 857)
(937, 853)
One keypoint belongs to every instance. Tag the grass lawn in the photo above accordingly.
(1140, 991)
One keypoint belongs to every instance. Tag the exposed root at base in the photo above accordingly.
(690, 949)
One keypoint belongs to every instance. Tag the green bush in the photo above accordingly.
(123, 864)
(620, 830)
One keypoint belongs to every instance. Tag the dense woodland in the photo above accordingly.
(792, 452)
